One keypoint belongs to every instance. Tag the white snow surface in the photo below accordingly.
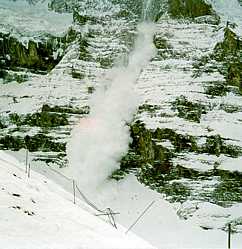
(229, 11)
(27, 21)
(38, 214)
(160, 83)
(161, 225)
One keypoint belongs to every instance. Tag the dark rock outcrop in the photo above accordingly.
(36, 56)
(229, 52)
(189, 8)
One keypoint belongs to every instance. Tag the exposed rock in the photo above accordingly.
(65, 109)
(210, 19)
(83, 19)
(76, 74)
(230, 47)
(215, 145)
(38, 142)
(2, 125)
(228, 191)
(36, 56)
(171, 156)
(41, 119)
(148, 108)
(161, 42)
(83, 48)
(234, 76)
(189, 110)
(153, 165)
(11, 143)
(61, 6)
(189, 8)
(41, 142)
(8, 76)
(229, 52)
(217, 89)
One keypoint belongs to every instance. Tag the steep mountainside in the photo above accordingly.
(186, 133)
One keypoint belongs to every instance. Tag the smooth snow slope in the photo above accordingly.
(37, 214)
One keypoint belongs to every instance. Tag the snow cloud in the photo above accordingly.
(99, 141)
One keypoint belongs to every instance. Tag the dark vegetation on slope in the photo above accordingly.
(38, 142)
(39, 119)
(35, 56)
(38, 57)
(189, 110)
(153, 164)
(51, 125)
(230, 53)
(9, 76)
(189, 8)
(227, 59)
(193, 111)
(46, 120)
(66, 109)
(217, 88)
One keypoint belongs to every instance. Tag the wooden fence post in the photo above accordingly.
(26, 161)
(74, 191)
(29, 168)
(229, 236)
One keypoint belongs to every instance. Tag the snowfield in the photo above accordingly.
(37, 214)
(28, 22)
(161, 225)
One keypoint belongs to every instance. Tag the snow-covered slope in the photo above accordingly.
(160, 225)
(38, 214)
(229, 11)
(28, 21)
(191, 136)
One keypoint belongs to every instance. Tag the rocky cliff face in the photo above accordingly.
(186, 134)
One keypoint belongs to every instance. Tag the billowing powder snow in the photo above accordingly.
(100, 141)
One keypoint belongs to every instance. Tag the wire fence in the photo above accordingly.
(75, 188)
(105, 212)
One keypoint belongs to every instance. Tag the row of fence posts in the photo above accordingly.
(108, 211)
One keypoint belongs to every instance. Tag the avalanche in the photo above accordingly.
(37, 213)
